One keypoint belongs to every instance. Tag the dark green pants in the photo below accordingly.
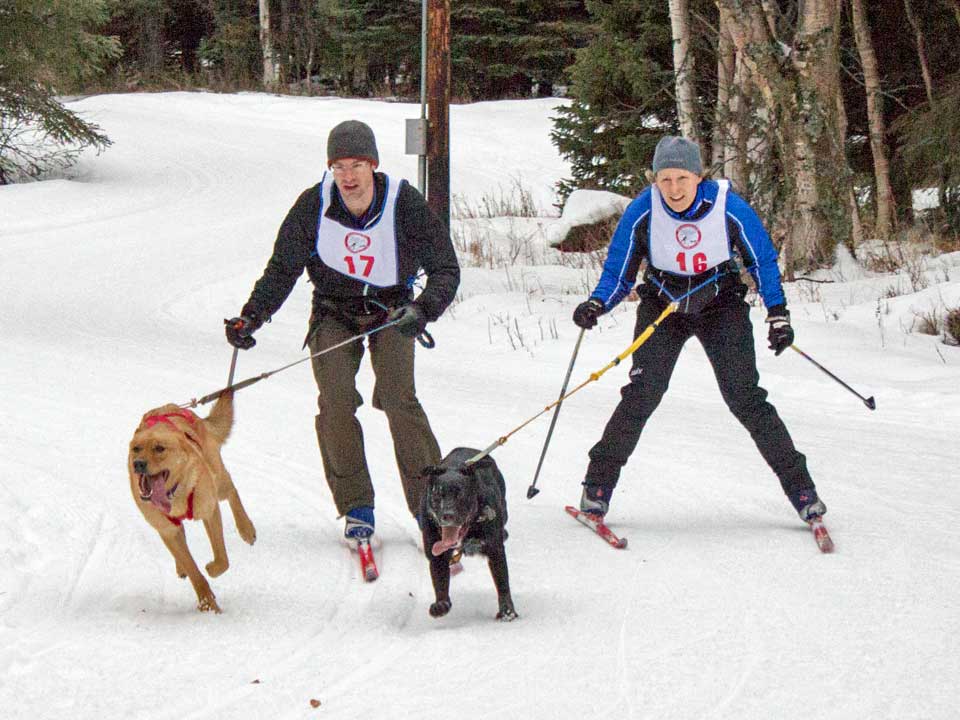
(338, 430)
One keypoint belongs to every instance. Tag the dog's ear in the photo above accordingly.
(432, 471)
(470, 468)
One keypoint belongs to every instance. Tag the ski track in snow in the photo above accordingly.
(115, 284)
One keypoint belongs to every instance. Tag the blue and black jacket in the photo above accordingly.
(630, 246)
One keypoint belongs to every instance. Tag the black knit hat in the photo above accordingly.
(352, 139)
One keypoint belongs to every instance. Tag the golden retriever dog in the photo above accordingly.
(177, 474)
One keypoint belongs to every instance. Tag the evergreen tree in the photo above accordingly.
(485, 49)
(232, 51)
(306, 45)
(555, 30)
(46, 47)
(622, 85)
(504, 48)
(380, 45)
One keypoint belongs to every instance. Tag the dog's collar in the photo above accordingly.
(178, 519)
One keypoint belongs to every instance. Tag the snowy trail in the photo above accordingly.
(114, 287)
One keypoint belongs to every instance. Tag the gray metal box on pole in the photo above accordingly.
(416, 136)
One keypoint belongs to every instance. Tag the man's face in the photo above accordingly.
(354, 179)
(678, 187)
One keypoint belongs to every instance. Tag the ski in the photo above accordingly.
(595, 523)
(820, 534)
(368, 565)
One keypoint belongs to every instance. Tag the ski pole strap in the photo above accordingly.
(641, 339)
(426, 339)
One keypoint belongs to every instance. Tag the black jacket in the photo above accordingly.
(423, 241)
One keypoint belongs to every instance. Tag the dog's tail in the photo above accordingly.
(220, 420)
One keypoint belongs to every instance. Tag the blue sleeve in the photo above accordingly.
(623, 259)
(756, 249)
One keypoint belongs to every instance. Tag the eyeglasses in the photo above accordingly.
(341, 167)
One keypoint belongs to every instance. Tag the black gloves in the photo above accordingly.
(780, 334)
(411, 320)
(586, 314)
(240, 330)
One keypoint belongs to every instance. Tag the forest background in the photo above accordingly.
(839, 120)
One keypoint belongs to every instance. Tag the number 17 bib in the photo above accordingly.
(369, 254)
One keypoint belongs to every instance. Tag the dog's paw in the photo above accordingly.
(247, 532)
(440, 608)
(208, 603)
(180, 573)
(507, 614)
(216, 568)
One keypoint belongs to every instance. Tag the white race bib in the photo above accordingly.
(368, 255)
(689, 247)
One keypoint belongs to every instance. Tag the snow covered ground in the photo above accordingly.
(114, 285)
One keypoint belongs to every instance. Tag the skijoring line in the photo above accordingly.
(263, 376)
(640, 340)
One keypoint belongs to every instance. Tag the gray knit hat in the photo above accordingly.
(352, 139)
(679, 153)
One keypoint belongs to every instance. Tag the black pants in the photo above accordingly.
(724, 329)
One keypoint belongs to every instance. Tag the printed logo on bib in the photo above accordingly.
(356, 242)
(688, 236)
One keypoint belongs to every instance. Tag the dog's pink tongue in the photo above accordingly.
(158, 495)
(449, 537)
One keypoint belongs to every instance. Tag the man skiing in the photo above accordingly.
(688, 228)
(363, 237)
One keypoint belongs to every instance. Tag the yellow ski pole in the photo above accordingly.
(641, 339)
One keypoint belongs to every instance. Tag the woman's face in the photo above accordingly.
(678, 187)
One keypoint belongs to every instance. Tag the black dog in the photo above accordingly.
(465, 506)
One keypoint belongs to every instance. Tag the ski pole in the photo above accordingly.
(532, 490)
(869, 402)
(233, 366)
(641, 339)
(263, 376)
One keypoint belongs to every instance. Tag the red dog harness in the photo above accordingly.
(191, 418)
(178, 520)
(187, 415)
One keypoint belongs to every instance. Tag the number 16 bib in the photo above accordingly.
(368, 255)
(689, 247)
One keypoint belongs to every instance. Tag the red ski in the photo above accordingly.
(820, 534)
(368, 566)
(595, 523)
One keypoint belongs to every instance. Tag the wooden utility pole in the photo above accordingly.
(438, 98)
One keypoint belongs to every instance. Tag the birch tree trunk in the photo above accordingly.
(799, 91)
(856, 226)
(921, 49)
(729, 136)
(726, 70)
(683, 68)
(823, 199)
(885, 218)
(271, 74)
